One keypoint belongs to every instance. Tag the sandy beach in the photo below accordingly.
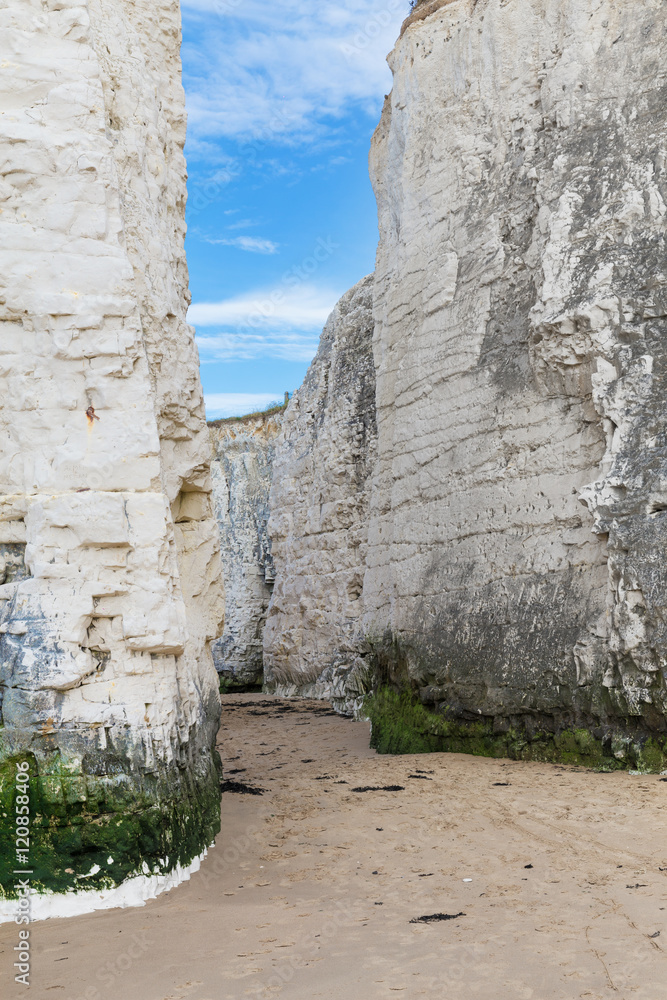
(554, 879)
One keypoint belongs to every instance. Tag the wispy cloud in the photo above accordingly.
(282, 322)
(242, 223)
(253, 244)
(237, 404)
(276, 71)
(285, 345)
(303, 307)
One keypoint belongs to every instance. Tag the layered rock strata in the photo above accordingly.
(110, 591)
(242, 467)
(515, 571)
(320, 512)
(504, 541)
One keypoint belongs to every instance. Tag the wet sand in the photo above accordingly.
(559, 876)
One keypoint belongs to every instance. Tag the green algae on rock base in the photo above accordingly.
(229, 685)
(96, 822)
(401, 724)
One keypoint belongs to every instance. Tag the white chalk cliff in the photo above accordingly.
(242, 471)
(319, 513)
(111, 589)
(514, 531)
(469, 492)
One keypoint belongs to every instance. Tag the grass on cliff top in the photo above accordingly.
(270, 411)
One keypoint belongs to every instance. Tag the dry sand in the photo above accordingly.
(310, 889)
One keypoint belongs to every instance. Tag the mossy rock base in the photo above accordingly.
(228, 685)
(401, 724)
(106, 817)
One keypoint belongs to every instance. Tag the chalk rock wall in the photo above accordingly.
(110, 590)
(319, 514)
(241, 470)
(517, 530)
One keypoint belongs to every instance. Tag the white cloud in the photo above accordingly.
(237, 404)
(254, 244)
(303, 307)
(274, 71)
(242, 223)
(287, 346)
(222, 167)
(282, 322)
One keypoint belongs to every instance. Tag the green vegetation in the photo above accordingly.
(120, 823)
(401, 724)
(228, 685)
(270, 411)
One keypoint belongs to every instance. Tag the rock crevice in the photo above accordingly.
(242, 468)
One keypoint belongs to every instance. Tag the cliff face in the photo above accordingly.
(497, 548)
(319, 513)
(110, 589)
(517, 521)
(241, 471)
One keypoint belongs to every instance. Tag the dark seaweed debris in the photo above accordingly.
(240, 787)
(279, 707)
(421, 777)
(432, 917)
(380, 788)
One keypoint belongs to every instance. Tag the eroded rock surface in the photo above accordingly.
(111, 589)
(241, 471)
(504, 539)
(319, 514)
(520, 349)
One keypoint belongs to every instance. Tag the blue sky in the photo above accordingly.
(282, 101)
